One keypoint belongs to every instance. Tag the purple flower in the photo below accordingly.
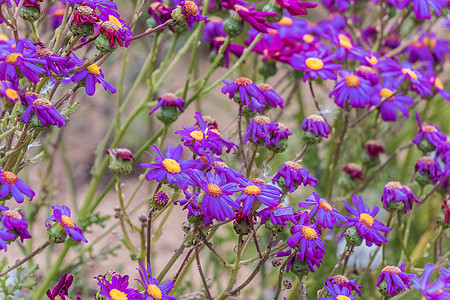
(395, 192)
(94, 3)
(235, 49)
(364, 222)
(316, 124)
(213, 28)
(277, 215)
(260, 128)
(227, 174)
(255, 18)
(270, 96)
(14, 185)
(296, 7)
(8, 92)
(291, 265)
(84, 14)
(315, 64)
(160, 12)
(257, 189)
(44, 110)
(53, 63)
(5, 236)
(216, 201)
(280, 132)
(437, 84)
(429, 167)
(16, 59)
(168, 99)
(61, 290)
(422, 7)
(327, 215)
(56, 16)
(396, 279)
(374, 149)
(245, 88)
(352, 88)
(190, 203)
(345, 46)
(293, 175)
(337, 292)
(90, 76)
(436, 290)
(14, 222)
(115, 29)
(307, 240)
(61, 215)
(153, 290)
(341, 5)
(429, 132)
(344, 282)
(117, 288)
(171, 167)
(192, 13)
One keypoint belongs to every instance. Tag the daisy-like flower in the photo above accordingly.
(397, 197)
(436, 290)
(153, 290)
(169, 100)
(390, 102)
(61, 290)
(429, 137)
(307, 240)
(117, 289)
(439, 87)
(190, 203)
(84, 18)
(44, 110)
(315, 64)
(291, 175)
(7, 92)
(296, 7)
(90, 76)
(216, 201)
(16, 60)
(317, 125)
(53, 63)
(297, 265)
(422, 7)
(396, 279)
(191, 12)
(278, 138)
(5, 236)
(243, 89)
(255, 18)
(260, 128)
(344, 282)
(278, 215)
(270, 96)
(327, 215)
(114, 28)
(257, 189)
(170, 167)
(352, 88)
(337, 292)
(346, 47)
(14, 222)
(368, 73)
(428, 170)
(61, 216)
(14, 185)
(213, 28)
(368, 228)
(226, 173)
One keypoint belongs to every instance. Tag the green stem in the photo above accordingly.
(25, 259)
(402, 240)
(252, 160)
(234, 270)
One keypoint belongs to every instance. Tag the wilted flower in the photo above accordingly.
(344, 282)
(292, 175)
(396, 279)
(14, 222)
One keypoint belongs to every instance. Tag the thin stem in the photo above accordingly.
(149, 234)
(234, 270)
(303, 288)
(151, 30)
(213, 251)
(280, 275)
(199, 266)
(252, 160)
(183, 264)
(402, 240)
(25, 259)
(301, 153)
(366, 270)
(171, 261)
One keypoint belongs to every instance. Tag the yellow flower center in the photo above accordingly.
(326, 206)
(243, 81)
(392, 269)
(438, 83)
(191, 8)
(286, 21)
(214, 190)
(238, 7)
(67, 221)
(410, 73)
(385, 93)
(12, 58)
(9, 177)
(115, 21)
(13, 214)
(197, 135)
(59, 12)
(344, 41)
(308, 233)
(430, 42)
(12, 94)
(3, 37)
(307, 38)
(366, 220)
(314, 63)
(216, 131)
(154, 291)
(252, 190)
(115, 294)
(341, 297)
(93, 69)
(372, 60)
(352, 81)
(394, 185)
(171, 166)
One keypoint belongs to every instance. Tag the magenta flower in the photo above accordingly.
(296, 7)
(352, 88)
(117, 288)
(56, 16)
(317, 125)
(344, 282)
(84, 14)
(44, 110)
(61, 215)
(368, 228)
(315, 64)
(192, 13)
(255, 18)
(14, 185)
(422, 7)
(168, 99)
(436, 290)
(153, 290)
(292, 175)
(257, 189)
(327, 215)
(260, 128)
(430, 168)
(14, 222)
(5, 236)
(245, 88)
(337, 292)
(374, 149)
(216, 201)
(171, 167)
(160, 12)
(396, 279)
(61, 290)
(353, 170)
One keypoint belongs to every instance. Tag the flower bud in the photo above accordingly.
(267, 68)
(159, 200)
(56, 233)
(425, 146)
(299, 268)
(241, 226)
(233, 26)
(103, 43)
(353, 237)
(30, 13)
(121, 161)
(277, 262)
(287, 284)
(273, 7)
(178, 16)
(383, 289)
(85, 30)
